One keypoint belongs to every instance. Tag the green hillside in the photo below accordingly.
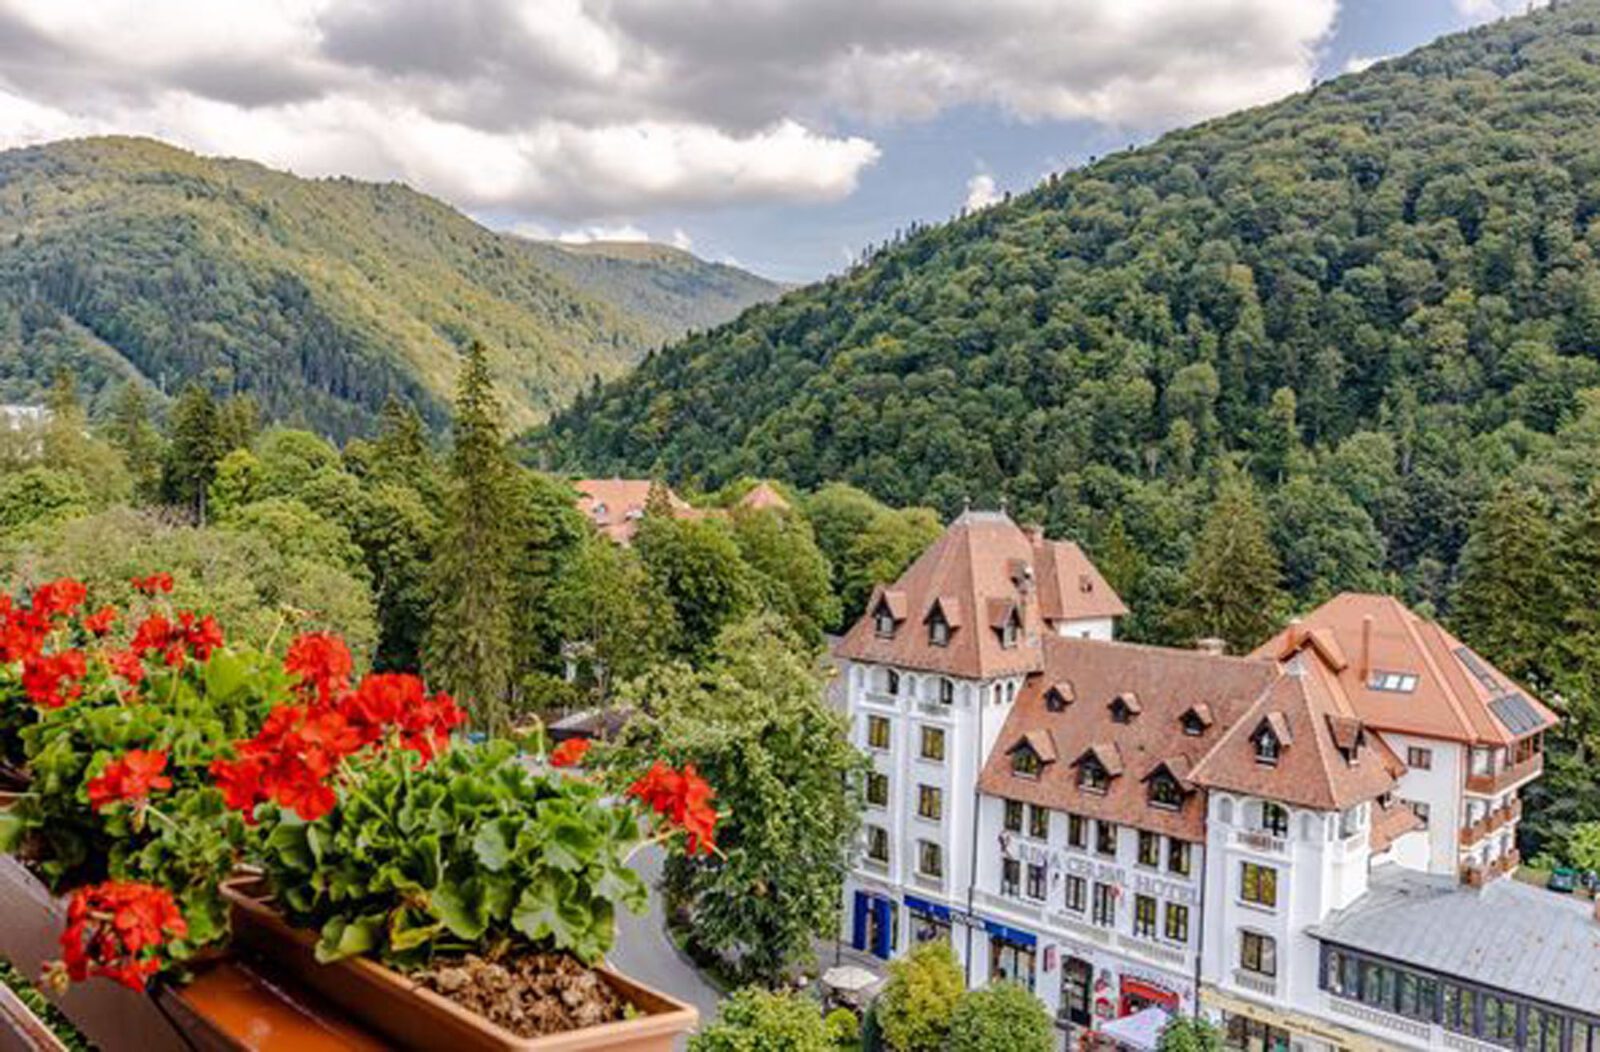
(1381, 295)
(126, 257)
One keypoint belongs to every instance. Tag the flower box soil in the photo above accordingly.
(529, 994)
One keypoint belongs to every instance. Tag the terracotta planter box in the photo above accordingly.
(417, 1018)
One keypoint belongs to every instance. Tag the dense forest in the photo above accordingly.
(1347, 340)
(129, 259)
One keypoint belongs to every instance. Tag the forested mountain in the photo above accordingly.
(320, 298)
(1381, 295)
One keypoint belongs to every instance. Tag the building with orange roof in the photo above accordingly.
(764, 497)
(1125, 828)
(615, 506)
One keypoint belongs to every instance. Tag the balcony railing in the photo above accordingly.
(1510, 775)
(1257, 840)
(1473, 832)
(1265, 985)
(1476, 876)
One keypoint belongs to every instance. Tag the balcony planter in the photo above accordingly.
(415, 1017)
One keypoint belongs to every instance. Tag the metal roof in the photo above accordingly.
(1507, 935)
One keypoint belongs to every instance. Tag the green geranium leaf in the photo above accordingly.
(226, 673)
(463, 907)
(493, 846)
(342, 938)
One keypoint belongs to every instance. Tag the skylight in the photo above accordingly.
(1392, 682)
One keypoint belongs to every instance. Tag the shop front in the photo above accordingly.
(874, 925)
(930, 921)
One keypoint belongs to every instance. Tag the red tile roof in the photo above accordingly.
(983, 570)
(616, 505)
(764, 496)
(1376, 634)
(1168, 683)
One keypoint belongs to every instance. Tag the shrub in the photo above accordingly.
(917, 1003)
(756, 1020)
(1001, 1018)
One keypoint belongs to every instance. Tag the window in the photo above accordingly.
(1077, 888)
(892, 682)
(1460, 1012)
(947, 692)
(1105, 838)
(878, 844)
(1025, 762)
(933, 744)
(878, 732)
(938, 630)
(1010, 876)
(1275, 819)
(1259, 884)
(1178, 856)
(1177, 922)
(1193, 725)
(877, 789)
(1149, 849)
(1500, 1021)
(1105, 905)
(1013, 816)
(1008, 632)
(1165, 792)
(1038, 822)
(1350, 821)
(930, 860)
(884, 623)
(1077, 831)
(1144, 916)
(930, 802)
(1120, 713)
(1392, 682)
(1258, 953)
(1419, 759)
(1092, 777)
(1036, 881)
(1421, 810)
(1268, 748)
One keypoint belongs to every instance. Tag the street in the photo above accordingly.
(644, 951)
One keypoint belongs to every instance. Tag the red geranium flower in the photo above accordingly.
(683, 799)
(127, 664)
(129, 779)
(380, 700)
(59, 597)
(322, 662)
(22, 632)
(52, 680)
(570, 753)
(119, 929)
(240, 782)
(156, 582)
(202, 636)
(100, 622)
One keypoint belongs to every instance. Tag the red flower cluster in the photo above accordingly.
(52, 680)
(59, 598)
(118, 929)
(570, 753)
(299, 747)
(322, 662)
(99, 623)
(177, 640)
(156, 582)
(683, 799)
(129, 779)
(23, 629)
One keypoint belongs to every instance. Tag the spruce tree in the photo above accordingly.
(1232, 584)
(195, 443)
(469, 647)
(130, 430)
(1503, 603)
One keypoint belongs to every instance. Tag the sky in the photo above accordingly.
(781, 135)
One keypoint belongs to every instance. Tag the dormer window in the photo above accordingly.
(1268, 748)
(1165, 792)
(1092, 776)
(1124, 707)
(1057, 697)
(942, 620)
(1195, 720)
(1025, 763)
(938, 630)
(1008, 634)
(1006, 620)
(883, 623)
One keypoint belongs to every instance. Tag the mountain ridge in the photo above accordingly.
(124, 257)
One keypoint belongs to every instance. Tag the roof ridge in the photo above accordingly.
(1456, 710)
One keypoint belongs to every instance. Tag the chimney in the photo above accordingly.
(1366, 648)
(1211, 645)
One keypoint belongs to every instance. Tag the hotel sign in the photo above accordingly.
(1057, 862)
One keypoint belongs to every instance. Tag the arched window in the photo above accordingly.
(1275, 819)
(891, 682)
(947, 691)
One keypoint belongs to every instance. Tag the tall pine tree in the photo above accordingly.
(469, 646)
(131, 431)
(1504, 602)
(195, 443)
(1232, 585)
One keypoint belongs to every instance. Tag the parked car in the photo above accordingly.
(1563, 879)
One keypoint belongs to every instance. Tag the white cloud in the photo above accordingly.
(981, 192)
(1361, 63)
(682, 240)
(584, 110)
(1485, 10)
(584, 235)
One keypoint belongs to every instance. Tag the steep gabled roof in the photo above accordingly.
(1310, 770)
(1455, 694)
(1070, 587)
(1167, 682)
(764, 496)
(616, 505)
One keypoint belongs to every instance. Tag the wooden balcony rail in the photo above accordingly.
(1507, 776)
(1473, 832)
(1476, 876)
